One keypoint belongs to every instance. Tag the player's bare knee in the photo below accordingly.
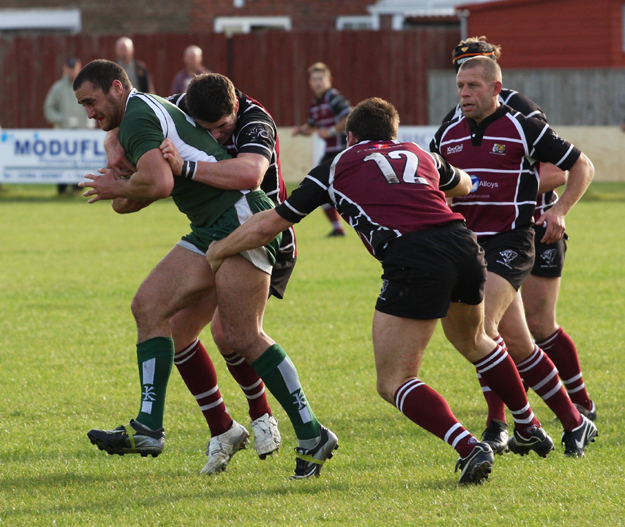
(237, 340)
(218, 337)
(140, 307)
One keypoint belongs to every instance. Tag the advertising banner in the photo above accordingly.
(50, 156)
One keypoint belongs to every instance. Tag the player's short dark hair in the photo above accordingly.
(210, 97)
(474, 47)
(373, 118)
(101, 73)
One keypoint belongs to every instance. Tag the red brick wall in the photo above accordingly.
(304, 14)
(115, 16)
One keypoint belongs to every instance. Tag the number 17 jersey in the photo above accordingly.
(383, 189)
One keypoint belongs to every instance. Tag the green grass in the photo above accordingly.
(68, 272)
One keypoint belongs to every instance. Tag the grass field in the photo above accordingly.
(68, 272)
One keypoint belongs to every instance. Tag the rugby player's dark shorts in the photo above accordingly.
(424, 271)
(280, 275)
(549, 260)
(510, 254)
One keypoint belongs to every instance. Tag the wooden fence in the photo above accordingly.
(588, 97)
(269, 66)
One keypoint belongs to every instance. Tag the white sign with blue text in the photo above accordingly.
(50, 156)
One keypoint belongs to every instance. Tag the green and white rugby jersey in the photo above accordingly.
(147, 121)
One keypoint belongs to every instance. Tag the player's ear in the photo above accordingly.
(351, 139)
(117, 88)
(497, 87)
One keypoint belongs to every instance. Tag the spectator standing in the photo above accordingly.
(60, 106)
(193, 67)
(136, 70)
(328, 117)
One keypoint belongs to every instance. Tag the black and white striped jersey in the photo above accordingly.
(501, 155)
(256, 132)
(519, 102)
(326, 112)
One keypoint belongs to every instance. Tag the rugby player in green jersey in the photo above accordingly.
(183, 276)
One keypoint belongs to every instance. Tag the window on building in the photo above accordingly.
(248, 24)
(17, 20)
(354, 22)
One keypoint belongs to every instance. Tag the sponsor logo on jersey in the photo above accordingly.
(506, 257)
(548, 256)
(454, 149)
(476, 183)
(498, 149)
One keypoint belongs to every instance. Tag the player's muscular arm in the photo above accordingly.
(244, 172)
(126, 206)
(463, 187)
(153, 180)
(259, 230)
(551, 177)
(304, 129)
(580, 176)
(115, 155)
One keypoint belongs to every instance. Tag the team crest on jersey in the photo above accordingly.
(257, 131)
(506, 257)
(498, 149)
(454, 149)
(549, 256)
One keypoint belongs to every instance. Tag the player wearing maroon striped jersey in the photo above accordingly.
(500, 148)
(328, 115)
(393, 194)
(539, 292)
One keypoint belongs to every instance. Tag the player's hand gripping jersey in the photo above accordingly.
(384, 189)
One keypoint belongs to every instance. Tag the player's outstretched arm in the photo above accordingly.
(580, 176)
(463, 187)
(153, 180)
(244, 172)
(259, 230)
(127, 206)
(304, 129)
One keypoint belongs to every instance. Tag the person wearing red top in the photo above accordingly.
(501, 150)
(539, 293)
(328, 115)
(393, 194)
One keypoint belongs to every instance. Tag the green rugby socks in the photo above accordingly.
(156, 358)
(280, 376)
